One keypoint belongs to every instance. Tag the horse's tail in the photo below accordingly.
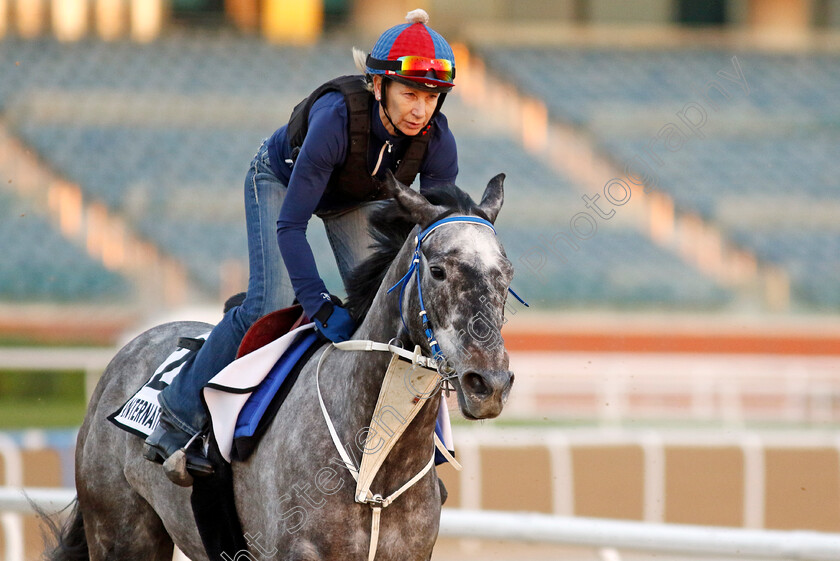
(69, 538)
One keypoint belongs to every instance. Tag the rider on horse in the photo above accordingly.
(327, 161)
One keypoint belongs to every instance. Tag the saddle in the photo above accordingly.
(271, 327)
(245, 396)
(140, 414)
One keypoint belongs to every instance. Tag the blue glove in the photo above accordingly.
(334, 322)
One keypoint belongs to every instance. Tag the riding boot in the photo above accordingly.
(171, 446)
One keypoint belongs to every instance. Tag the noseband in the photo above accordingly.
(437, 352)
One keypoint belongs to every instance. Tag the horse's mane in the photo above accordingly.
(389, 227)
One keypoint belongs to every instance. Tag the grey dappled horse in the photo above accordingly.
(293, 493)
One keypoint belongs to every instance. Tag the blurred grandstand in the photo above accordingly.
(125, 138)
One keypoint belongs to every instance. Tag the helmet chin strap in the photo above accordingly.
(384, 103)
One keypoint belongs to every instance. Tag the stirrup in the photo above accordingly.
(182, 465)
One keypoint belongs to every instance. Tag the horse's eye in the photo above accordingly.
(437, 272)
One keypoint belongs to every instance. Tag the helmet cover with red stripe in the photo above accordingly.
(417, 46)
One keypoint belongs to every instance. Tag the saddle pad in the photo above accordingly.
(228, 391)
(263, 404)
(140, 414)
(443, 429)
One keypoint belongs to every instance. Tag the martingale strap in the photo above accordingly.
(367, 472)
(362, 346)
(403, 394)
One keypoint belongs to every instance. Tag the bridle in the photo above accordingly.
(437, 352)
(437, 362)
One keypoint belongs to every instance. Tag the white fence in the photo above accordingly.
(722, 388)
(534, 528)
(13, 502)
(90, 360)
(731, 389)
(639, 536)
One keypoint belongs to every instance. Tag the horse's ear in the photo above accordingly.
(410, 201)
(494, 196)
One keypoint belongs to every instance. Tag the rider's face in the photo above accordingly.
(410, 109)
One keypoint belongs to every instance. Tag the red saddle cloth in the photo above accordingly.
(271, 327)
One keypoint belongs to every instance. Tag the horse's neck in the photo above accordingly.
(364, 372)
(382, 321)
(381, 324)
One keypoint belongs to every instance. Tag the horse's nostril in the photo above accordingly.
(512, 377)
(476, 385)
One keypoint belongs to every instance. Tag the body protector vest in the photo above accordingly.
(352, 181)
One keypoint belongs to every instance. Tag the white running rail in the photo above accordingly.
(14, 499)
(602, 534)
(640, 536)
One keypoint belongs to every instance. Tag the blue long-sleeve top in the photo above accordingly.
(324, 150)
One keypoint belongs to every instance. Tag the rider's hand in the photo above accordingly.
(334, 322)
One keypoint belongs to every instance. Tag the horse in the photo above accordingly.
(294, 498)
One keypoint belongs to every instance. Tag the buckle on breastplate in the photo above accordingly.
(375, 501)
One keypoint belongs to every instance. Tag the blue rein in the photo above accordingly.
(437, 353)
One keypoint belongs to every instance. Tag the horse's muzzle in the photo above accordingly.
(483, 394)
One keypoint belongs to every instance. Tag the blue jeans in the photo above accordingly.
(269, 287)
